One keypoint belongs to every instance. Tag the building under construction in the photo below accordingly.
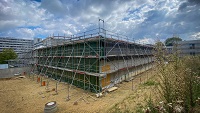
(94, 60)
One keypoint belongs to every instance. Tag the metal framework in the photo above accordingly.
(94, 60)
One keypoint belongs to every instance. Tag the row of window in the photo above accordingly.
(12, 39)
(192, 46)
(192, 53)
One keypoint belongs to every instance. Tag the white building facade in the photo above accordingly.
(190, 47)
(20, 46)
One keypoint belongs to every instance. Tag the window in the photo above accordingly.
(192, 53)
(192, 46)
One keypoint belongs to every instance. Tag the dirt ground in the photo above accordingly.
(25, 95)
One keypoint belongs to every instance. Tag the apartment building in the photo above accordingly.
(18, 45)
(189, 47)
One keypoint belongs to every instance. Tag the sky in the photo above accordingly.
(145, 21)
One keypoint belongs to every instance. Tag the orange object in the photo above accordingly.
(106, 81)
(38, 79)
(105, 68)
(43, 83)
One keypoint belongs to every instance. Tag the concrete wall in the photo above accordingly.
(7, 73)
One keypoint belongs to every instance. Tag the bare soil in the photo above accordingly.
(25, 95)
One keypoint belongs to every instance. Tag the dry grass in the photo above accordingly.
(27, 96)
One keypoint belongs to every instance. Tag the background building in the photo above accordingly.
(20, 46)
(190, 47)
(49, 41)
(169, 49)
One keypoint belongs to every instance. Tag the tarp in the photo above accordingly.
(3, 66)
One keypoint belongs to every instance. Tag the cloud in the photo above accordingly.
(196, 35)
(54, 6)
(137, 19)
(146, 41)
(15, 14)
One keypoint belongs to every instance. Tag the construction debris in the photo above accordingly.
(112, 89)
(75, 103)
(92, 97)
(17, 74)
(50, 107)
(20, 77)
(99, 95)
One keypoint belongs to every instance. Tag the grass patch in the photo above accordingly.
(139, 108)
(150, 83)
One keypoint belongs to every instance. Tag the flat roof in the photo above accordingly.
(95, 38)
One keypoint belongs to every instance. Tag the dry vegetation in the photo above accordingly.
(175, 88)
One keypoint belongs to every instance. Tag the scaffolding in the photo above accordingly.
(94, 60)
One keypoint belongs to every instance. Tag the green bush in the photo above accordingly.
(7, 54)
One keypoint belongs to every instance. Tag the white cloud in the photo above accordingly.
(25, 33)
(55, 7)
(137, 19)
(21, 12)
(146, 41)
(196, 35)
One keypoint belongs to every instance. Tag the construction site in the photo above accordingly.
(94, 60)
(79, 67)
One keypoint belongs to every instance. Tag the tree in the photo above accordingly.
(159, 43)
(172, 41)
(159, 50)
(7, 54)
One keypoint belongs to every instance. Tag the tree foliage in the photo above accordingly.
(7, 54)
(172, 41)
(159, 44)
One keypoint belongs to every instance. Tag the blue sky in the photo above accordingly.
(144, 20)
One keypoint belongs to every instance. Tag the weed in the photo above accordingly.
(150, 83)
(139, 108)
(178, 79)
